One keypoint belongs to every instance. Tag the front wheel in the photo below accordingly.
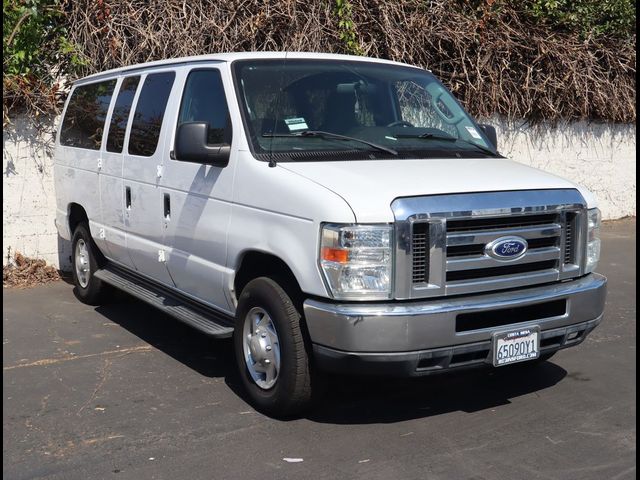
(270, 350)
(85, 258)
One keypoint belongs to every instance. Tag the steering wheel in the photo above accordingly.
(400, 123)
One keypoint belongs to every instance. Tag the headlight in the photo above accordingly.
(593, 240)
(357, 261)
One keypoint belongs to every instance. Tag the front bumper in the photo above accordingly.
(62, 224)
(418, 338)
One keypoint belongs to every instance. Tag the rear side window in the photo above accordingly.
(204, 101)
(120, 115)
(147, 120)
(84, 120)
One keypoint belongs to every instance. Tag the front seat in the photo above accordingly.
(340, 114)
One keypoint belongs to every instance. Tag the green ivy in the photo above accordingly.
(589, 18)
(36, 50)
(346, 27)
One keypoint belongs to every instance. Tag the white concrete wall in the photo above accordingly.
(28, 196)
(602, 157)
(599, 156)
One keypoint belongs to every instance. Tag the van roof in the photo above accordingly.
(230, 57)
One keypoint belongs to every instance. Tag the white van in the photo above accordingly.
(331, 213)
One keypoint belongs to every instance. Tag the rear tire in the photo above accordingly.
(270, 350)
(85, 261)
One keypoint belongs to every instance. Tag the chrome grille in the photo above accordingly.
(480, 273)
(498, 223)
(542, 232)
(444, 251)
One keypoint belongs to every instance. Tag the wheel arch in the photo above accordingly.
(76, 214)
(256, 263)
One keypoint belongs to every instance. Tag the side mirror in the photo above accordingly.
(490, 132)
(191, 146)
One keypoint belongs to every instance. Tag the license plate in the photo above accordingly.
(516, 346)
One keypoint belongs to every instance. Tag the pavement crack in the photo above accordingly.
(625, 473)
(92, 441)
(43, 405)
(67, 358)
(104, 375)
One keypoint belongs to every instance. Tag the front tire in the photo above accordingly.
(85, 262)
(270, 350)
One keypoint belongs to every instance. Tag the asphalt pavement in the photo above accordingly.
(123, 392)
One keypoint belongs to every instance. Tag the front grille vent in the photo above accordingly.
(569, 238)
(495, 318)
(420, 249)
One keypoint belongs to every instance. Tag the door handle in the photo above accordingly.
(127, 197)
(167, 206)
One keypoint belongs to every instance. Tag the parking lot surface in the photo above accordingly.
(121, 391)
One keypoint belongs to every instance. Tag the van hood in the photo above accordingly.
(370, 186)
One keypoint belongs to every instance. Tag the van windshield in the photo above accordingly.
(306, 110)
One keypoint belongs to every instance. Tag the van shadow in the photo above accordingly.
(382, 400)
(207, 356)
(346, 400)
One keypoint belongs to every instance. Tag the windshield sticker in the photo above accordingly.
(473, 132)
(294, 124)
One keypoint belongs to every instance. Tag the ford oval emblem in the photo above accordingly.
(506, 248)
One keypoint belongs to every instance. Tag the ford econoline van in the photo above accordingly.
(330, 213)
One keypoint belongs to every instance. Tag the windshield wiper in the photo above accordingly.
(479, 147)
(450, 139)
(329, 136)
(426, 135)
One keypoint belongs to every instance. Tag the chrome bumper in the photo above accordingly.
(61, 222)
(407, 327)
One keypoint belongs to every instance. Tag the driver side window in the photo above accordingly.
(204, 101)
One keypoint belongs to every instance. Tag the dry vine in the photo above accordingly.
(495, 61)
(27, 272)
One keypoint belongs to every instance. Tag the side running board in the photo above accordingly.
(200, 317)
